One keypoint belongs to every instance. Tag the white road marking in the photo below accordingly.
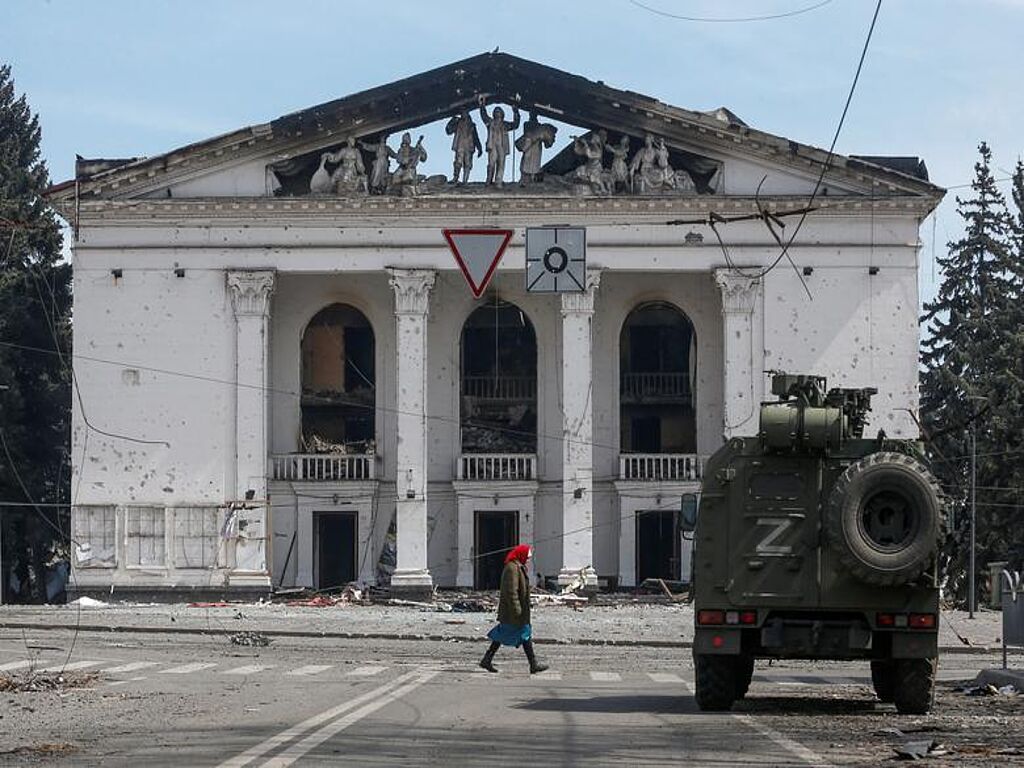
(306, 725)
(186, 668)
(605, 677)
(124, 682)
(249, 669)
(664, 677)
(315, 739)
(12, 665)
(74, 665)
(366, 671)
(312, 669)
(798, 750)
(549, 675)
(135, 665)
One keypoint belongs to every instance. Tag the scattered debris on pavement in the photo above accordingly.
(56, 749)
(255, 639)
(919, 750)
(89, 602)
(35, 682)
(989, 690)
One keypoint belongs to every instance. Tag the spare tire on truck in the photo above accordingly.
(884, 517)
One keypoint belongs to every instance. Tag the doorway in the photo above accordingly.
(496, 532)
(657, 545)
(336, 549)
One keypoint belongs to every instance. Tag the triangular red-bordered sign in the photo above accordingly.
(477, 252)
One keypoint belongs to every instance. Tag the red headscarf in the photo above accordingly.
(519, 552)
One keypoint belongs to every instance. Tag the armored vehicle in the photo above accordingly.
(813, 542)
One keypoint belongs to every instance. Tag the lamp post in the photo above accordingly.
(972, 596)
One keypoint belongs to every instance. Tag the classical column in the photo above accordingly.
(412, 292)
(250, 298)
(742, 353)
(578, 434)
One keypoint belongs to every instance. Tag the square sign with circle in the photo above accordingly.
(556, 259)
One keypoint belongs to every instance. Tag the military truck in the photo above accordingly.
(814, 542)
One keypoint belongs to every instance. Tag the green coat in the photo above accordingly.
(514, 603)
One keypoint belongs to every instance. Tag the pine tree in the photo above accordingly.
(968, 358)
(35, 394)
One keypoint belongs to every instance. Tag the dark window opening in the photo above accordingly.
(499, 380)
(336, 548)
(658, 545)
(497, 531)
(657, 354)
(338, 382)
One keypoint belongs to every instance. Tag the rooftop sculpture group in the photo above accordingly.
(649, 170)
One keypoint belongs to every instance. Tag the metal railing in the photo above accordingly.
(323, 466)
(660, 466)
(500, 387)
(638, 386)
(497, 466)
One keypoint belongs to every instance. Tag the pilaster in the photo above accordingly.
(743, 350)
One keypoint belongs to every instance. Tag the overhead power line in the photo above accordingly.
(731, 19)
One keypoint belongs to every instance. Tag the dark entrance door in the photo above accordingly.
(336, 543)
(657, 544)
(496, 533)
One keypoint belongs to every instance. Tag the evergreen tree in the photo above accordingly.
(969, 359)
(35, 394)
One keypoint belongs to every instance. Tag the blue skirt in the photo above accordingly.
(511, 634)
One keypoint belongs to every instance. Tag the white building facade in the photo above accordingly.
(286, 381)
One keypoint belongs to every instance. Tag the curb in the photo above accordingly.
(336, 635)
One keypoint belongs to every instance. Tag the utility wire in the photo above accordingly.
(731, 19)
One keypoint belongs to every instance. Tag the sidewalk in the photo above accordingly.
(621, 623)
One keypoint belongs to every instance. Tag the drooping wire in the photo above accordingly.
(732, 19)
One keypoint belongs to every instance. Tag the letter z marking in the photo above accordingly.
(779, 526)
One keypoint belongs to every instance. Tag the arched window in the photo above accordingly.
(338, 382)
(657, 362)
(499, 380)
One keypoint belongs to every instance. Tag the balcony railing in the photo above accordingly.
(497, 466)
(517, 388)
(323, 466)
(660, 466)
(649, 386)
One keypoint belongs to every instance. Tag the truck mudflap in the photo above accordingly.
(720, 640)
(915, 645)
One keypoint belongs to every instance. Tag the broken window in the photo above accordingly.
(499, 380)
(196, 538)
(145, 531)
(95, 536)
(338, 389)
(657, 359)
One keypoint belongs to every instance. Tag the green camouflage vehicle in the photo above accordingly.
(813, 542)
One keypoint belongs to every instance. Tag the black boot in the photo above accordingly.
(486, 661)
(535, 666)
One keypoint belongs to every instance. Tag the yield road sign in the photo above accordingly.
(478, 252)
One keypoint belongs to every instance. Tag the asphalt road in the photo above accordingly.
(200, 701)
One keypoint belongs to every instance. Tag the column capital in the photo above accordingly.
(738, 291)
(582, 302)
(412, 290)
(250, 291)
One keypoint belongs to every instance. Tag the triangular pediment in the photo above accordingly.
(684, 152)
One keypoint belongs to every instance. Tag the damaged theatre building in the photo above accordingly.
(385, 338)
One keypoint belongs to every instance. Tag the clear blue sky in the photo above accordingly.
(119, 78)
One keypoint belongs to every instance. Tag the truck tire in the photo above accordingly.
(744, 674)
(883, 518)
(716, 682)
(914, 690)
(883, 678)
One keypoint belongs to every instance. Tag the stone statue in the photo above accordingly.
(465, 140)
(536, 136)
(380, 175)
(620, 170)
(668, 175)
(591, 171)
(498, 145)
(350, 175)
(650, 170)
(320, 183)
(408, 157)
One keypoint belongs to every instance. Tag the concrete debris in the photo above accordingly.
(473, 606)
(919, 750)
(255, 639)
(33, 682)
(89, 602)
(56, 749)
(988, 689)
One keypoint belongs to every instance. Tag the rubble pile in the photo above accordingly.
(35, 682)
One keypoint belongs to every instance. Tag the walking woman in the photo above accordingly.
(513, 612)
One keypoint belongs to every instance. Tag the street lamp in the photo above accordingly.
(972, 597)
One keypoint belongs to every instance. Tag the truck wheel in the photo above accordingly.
(883, 677)
(744, 674)
(716, 682)
(883, 518)
(914, 691)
